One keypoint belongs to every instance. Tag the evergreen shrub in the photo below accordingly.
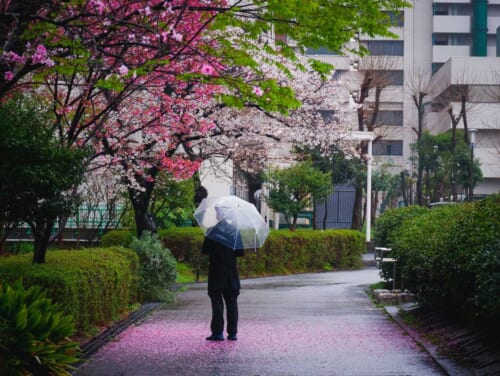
(157, 271)
(94, 286)
(283, 252)
(450, 257)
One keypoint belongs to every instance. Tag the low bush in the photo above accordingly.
(116, 237)
(34, 333)
(283, 252)
(94, 286)
(157, 268)
(390, 221)
(450, 257)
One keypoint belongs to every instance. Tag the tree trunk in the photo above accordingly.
(374, 208)
(356, 210)
(420, 177)
(294, 223)
(41, 229)
(314, 214)
(419, 104)
(325, 216)
(144, 221)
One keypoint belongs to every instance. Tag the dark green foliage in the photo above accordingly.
(283, 252)
(293, 189)
(157, 270)
(450, 257)
(305, 251)
(38, 172)
(34, 333)
(95, 286)
(117, 237)
(389, 222)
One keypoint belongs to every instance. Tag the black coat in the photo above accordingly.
(222, 270)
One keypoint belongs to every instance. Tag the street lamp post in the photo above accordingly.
(472, 139)
(367, 136)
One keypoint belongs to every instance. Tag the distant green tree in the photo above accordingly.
(333, 160)
(293, 189)
(37, 172)
(446, 165)
(172, 201)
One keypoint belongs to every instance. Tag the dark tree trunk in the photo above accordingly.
(144, 221)
(356, 211)
(325, 216)
(42, 229)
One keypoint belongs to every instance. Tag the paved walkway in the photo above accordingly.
(300, 325)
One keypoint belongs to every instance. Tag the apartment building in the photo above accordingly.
(443, 47)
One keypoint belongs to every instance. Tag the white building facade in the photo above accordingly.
(442, 45)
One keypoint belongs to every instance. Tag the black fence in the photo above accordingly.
(338, 208)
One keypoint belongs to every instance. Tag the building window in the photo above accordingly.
(320, 51)
(455, 39)
(440, 9)
(337, 74)
(390, 118)
(385, 48)
(388, 147)
(391, 77)
(396, 18)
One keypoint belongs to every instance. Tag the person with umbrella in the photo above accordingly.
(223, 276)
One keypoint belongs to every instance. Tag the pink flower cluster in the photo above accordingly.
(41, 57)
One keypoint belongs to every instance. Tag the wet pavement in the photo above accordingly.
(300, 325)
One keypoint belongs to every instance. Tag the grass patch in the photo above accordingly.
(184, 273)
(382, 285)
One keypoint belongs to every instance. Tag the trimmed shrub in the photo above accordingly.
(94, 286)
(476, 241)
(283, 252)
(34, 333)
(116, 238)
(450, 257)
(157, 270)
(390, 221)
(424, 253)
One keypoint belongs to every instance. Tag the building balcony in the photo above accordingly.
(454, 1)
(493, 23)
(440, 54)
(451, 24)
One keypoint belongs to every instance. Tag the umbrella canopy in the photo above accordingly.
(232, 221)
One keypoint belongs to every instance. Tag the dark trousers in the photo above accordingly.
(218, 297)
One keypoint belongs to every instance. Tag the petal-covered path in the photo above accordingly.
(304, 325)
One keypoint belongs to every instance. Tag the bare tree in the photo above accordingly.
(458, 100)
(375, 73)
(421, 88)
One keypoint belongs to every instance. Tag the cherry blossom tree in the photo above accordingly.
(130, 77)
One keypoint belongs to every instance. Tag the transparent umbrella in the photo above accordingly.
(234, 222)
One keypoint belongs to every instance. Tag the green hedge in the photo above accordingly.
(283, 252)
(450, 257)
(95, 286)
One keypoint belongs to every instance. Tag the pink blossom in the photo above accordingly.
(40, 55)
(208, 70)
(177, 36)
(98, 5)
(257, 91)
(123, 70)
(49, 62)
(12, 57)
(9, 76)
